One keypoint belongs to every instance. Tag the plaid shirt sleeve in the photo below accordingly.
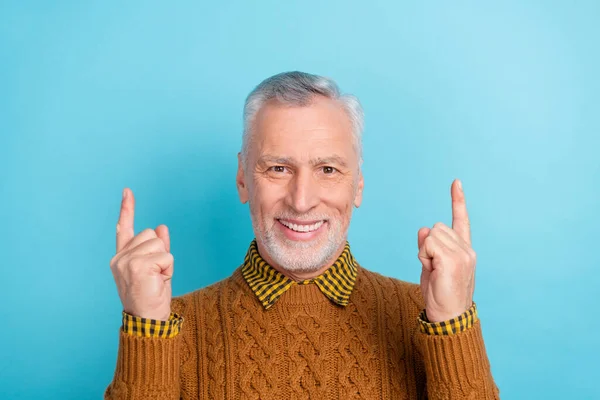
(450, 327)
(145, 327)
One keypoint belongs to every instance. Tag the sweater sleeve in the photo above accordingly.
(457, 366)
(148, 367)
(450, 366)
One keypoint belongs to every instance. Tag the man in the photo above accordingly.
(300, 318)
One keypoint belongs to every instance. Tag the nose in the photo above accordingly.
(303, 192)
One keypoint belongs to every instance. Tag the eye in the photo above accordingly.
(329, 170)
(278, 168)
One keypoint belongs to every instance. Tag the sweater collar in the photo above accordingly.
(268, 284)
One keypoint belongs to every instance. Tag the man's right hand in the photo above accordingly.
(143, 266)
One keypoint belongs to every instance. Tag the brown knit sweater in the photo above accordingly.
(304, 347)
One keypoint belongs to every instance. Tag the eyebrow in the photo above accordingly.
(334, 159)
(267, 158)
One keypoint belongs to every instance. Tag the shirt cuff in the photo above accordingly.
(144, 327)
(450, 327)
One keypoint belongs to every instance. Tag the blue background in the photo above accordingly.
(97, 96)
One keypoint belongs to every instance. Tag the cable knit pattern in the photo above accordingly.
(213, 349)
(185, 305)
(393, 340)
(306, 334)
(303, 347)
(254, 347)
(360, 374)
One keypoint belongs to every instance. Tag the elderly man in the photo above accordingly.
(300, 317)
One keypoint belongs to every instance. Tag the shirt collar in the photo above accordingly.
(268, 284)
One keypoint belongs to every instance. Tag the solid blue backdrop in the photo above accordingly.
(97, 96)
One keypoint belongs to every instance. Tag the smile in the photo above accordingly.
(308, 227)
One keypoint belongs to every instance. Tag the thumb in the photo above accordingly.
(163, 233)
(421, 235)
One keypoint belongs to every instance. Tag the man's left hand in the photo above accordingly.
(448, 275)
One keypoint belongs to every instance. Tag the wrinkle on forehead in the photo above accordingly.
(276, 159)
(318, 131)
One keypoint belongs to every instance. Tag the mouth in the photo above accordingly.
(301, 230)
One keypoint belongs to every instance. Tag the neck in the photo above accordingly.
(299, 276)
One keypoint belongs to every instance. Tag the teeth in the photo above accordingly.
(302, 228)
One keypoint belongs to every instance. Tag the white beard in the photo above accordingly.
(300, 256)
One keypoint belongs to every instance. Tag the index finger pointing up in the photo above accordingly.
(460, 217)
(125, 230)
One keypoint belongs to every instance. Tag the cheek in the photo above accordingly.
(265, 197)
(341, 199)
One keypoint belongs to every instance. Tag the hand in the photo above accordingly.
(143, 266)
(448, 275)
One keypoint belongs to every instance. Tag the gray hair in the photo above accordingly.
(298, 89)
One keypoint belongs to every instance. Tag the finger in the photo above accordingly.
(155, 245)
(143, 236)
(162, 263)
(162, 231)
(460, 217)
(426, 262)
(448, 236)
(421, 235)
(125, 230)
(432, 247)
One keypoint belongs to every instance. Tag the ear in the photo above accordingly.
(241, 182)
(359, 190)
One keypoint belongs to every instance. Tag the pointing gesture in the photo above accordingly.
(142, 266)
(448, 274)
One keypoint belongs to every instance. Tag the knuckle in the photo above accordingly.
(113, 262)
(121, 263)
(135, 264)
(157, 243)
(148, 232)
(472, 254)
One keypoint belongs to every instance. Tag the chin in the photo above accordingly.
(307, 251)
(296, 256)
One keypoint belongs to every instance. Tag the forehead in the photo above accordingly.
(315, 130)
